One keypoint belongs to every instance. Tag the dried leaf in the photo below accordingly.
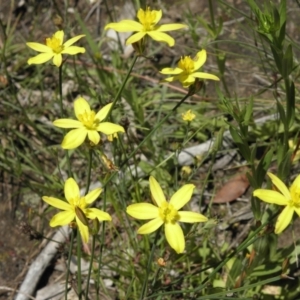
(233, 189)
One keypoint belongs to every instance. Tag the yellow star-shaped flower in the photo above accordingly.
(54, 48)
(76, 208)
(186, 69)
(166, 213)
(188, 116)
(290, 198)
(147, 26)
(88, 124)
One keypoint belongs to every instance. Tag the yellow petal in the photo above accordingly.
(92, 196)
(270, 196)
(191, 217)
(40, 58)
(200, 59)
(71, 190)
(135, 37)
(63, 205)
(171, 71)
(39, 47)
(141, 15)
(158, 15)
(93, 136)
(81, 106)
(73, 40)
(73, 50)
(57, 60)
(62, 218)
(156, 192)
(67, 123)
(295, 188)
(169, 27)
(297, 210)
(94, 213)
(170, 79)
(175, 237)
(162, 37)
(142, 211)
(102, 113)
(182, 196)
(124, 26)
(280, 185)
(203, 75)
(150, 226)
(59, 35)
(284, 219)
(109, 128)
(74, 138)
(84, 230)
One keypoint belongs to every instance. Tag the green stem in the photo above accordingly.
(62, 114)
(123, 85)
(90, 267)
(89, 171)
(150, 259)
(60, 91)
(101, 244)
(154, 130)
(79, 287)
(69, 263)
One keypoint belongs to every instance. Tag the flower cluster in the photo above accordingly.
(89, 124)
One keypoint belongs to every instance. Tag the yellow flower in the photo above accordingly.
(111, 137)
(147, 26)
(76, 208)
(166, 213)
(290, 198)
(188, 116)
(186, 170)
(54, 48)
(88, 124)
(186, 69)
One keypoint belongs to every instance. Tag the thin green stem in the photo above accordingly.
(147, 137)
(101, 245)
(60, 91)
(79, 282)
(89, 171)
(60, 80)
(154, 130)
(122, 86)
(150, 260)
(69, 263)
(90, 267)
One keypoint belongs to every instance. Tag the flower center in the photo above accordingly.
(186, 64)
(295, 193)
(88, 119)
(168, 213)
(55, 44)
(78, 202)
(147, 18)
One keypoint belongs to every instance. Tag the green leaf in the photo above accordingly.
(277, 57)
(263, 167)
(235, 271)
(284, 167)
(287, 62)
